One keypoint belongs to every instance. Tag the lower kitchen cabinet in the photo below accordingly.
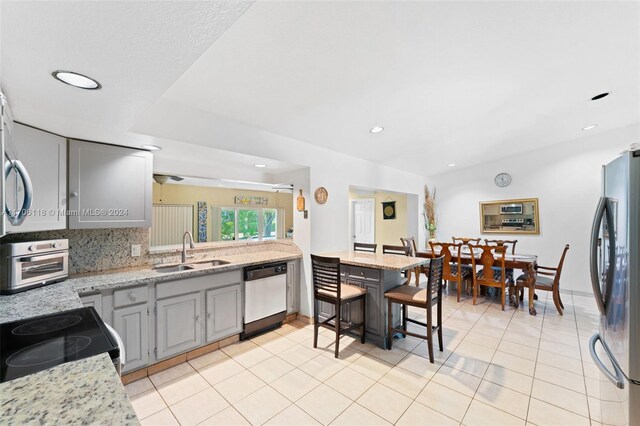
(132, 324)
(94, 300)
(293, 286)
(178, 324)
(224, 312)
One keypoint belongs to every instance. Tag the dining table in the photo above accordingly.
(525, 262)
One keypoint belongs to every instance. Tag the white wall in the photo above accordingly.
(566, 180)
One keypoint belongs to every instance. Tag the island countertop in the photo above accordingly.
(390, 262)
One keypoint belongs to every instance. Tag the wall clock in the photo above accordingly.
(502, 179)
(321, 195)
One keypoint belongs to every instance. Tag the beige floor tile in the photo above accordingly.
(468, 365)
(324, 404)
(509, 379)
(593, 387)
(515, 363)
(292, 415)
(571, 365)
(490, 342)
(404, 381)
(171, 373)
(237, 387)
(560, 397)
(560, 377)
(278, 345)
(480, 413)
(295, 384)
(347, 355)
(261, 339)
(517, 349)
(500, 397)
(392, 356)
(161, 418)
(271, 369)
(357, 415)
(457, 380)
(438, 357)
(322, 367)
(137, 387)
(444, 400)
(542, 414)
(298, 355)
(385, 402)
(208, 359)
(371, 367)
(408, 343)
(199, 407)
(472, 350)
(251, 357)
(262, 405)
(419, 414)
(221, 370)
(147, 403)
(227, 417)
(595, 409)
(182, 387)
(419, 366)
(350, 383)
(301, 335)
(572, 351)
(238, 347)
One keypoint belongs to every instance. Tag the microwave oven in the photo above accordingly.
(511, 208)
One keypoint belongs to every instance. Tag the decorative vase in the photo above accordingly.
(432, 237)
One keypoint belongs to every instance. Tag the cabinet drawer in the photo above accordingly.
(130, 296)
(364, 274)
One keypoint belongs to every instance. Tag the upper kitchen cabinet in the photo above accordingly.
(44, 156)
(109, 186)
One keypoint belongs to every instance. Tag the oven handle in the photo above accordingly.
(42, 257)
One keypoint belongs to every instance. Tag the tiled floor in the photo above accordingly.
(498, 368)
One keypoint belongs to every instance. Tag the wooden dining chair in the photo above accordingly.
(365, 247)
(465, 241)
(547, 279)
(510, 244)
(410, 242)
(400, 250)
(451, 270)
(420, 298)
(327, 287)
(492, 272)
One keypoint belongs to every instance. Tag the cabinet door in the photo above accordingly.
(94, 300)
(224, 312)
(44, 155)
(293, 283)
(109, 186)
(353, 309)
(178, 324)
(132, 325)
(374, 309)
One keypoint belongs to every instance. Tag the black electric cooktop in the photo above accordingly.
(35, 344)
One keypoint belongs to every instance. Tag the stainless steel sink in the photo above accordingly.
(209, 263)
(174, 268)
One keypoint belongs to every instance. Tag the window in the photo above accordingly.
(244, 224)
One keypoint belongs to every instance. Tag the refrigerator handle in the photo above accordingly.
(595, 231)
(617, 378)
(608, 210)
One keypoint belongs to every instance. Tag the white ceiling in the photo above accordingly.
(451, 82)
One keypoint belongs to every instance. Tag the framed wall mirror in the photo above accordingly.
(518, 216)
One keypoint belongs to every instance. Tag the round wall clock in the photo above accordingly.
(321, 195)
(502, 179)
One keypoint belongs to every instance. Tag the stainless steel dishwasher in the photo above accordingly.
(265, 298)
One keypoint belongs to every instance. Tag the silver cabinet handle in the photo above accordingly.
(132, 296)
(209, 315)
(74, 194)
(197, 318)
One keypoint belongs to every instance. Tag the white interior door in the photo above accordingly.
(364, 225)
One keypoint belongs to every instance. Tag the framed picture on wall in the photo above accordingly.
(388, 210)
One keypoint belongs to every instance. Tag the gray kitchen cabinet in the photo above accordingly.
(293, 287)
(224, 312)
(109, 186)
(178, 324)
(132, 324)
(44, 155)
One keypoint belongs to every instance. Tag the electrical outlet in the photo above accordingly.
(135, 250)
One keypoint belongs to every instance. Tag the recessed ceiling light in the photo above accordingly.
(600, 96)
(376, 129)
(260, 166)
(593, 126)
(76, 80)
(151, 147)
(452, 164)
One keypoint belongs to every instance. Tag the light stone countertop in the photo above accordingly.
(39, 301)
(139, 276)
(390, 262)
(87, 391)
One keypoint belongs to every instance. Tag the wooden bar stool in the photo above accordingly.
(421, 298)
(365, 247)
(327, 287)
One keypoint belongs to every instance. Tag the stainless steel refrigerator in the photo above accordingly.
(615, 275)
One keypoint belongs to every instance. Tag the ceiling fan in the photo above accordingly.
(162, 179)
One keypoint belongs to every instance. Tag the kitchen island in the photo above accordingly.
(377, 273)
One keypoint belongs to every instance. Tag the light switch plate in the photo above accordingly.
(135, 250)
